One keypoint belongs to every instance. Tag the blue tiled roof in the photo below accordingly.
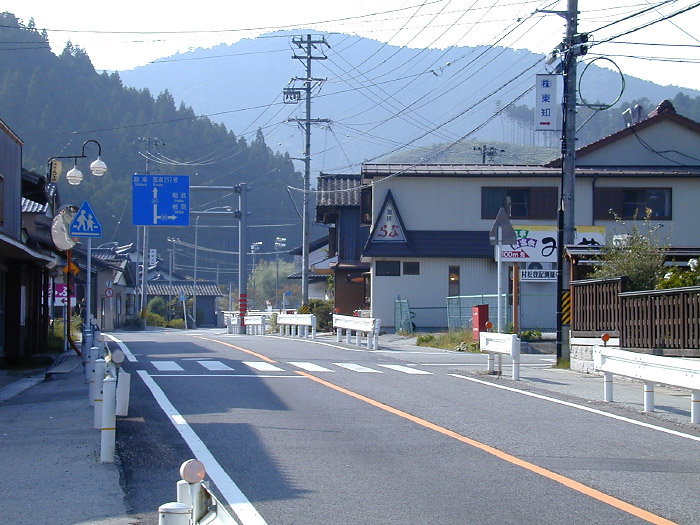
(430, 243)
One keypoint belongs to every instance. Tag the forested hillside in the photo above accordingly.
(56, 103)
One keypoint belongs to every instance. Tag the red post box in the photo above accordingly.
(480, 316)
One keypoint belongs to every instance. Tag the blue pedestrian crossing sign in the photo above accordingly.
(85, 223)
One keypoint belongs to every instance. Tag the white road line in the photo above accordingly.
(241, 506)
(232, 376)
(167, 366)
(579, 407)
(129, 356)
(215, 366)
(358, 368)
(309, 367)
(406, 369)
(262, 366)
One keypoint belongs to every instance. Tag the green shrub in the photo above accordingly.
(425, 340)
(323, 310)
(176, 323)
(153, 319)
(531, 335)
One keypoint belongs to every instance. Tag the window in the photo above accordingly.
(519, 203)
(388, 268)
(628, 202)
(366, 206)
(453, 287)
(411, 268)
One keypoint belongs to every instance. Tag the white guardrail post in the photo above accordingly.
(495, 343)
(650, 369)
(109, 419)
(100, 368)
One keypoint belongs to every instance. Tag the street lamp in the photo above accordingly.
(210, 211)
(75, 176)
(280, 242)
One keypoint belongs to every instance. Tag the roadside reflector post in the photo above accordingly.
(109, 419)
(100, 367)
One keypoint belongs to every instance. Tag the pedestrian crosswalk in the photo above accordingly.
(212, 365)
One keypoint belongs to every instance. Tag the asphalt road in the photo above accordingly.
(326, 433)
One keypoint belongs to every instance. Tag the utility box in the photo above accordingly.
(480, 316)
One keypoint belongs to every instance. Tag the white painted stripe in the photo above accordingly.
(232, 376)
(406, 369)
(127, 353)
(167, 366)
(309, 367)
(358, 368)
(580, 407)
(262, 366)
(241, 506)
(215, 366)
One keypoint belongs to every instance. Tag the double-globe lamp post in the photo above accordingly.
(217, 211)
(74, 177)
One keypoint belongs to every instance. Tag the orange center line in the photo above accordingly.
(567, 482)
(259, 356)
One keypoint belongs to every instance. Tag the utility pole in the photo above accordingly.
(242, 215)
(144, 276)
(572, 47)
(291, 96)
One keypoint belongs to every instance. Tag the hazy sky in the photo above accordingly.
(125, 34)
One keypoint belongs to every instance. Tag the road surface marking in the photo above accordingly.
(563, 480)
(255, 354)
(309, 367)
(358, 368)
(263, 367)
(241, 506)
(127, 353)
(406, 369)
(579, 407)
(215, 366)
(167, 366)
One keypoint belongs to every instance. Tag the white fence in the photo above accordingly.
(673, 371)
(369, 326)
(297, 325)
(495, 343)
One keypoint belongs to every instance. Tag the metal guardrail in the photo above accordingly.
(360, 325)
(297, 325)
(651, 369)
(495, 343)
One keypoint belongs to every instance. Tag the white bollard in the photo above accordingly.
(94, 352)
(648, 396)
(123, 388)
(491, 367)
(100, 366)
(174, 513)
(608, 386)
(695, 406)
(109, 420)
(516, 367)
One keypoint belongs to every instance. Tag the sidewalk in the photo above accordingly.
(51, 470)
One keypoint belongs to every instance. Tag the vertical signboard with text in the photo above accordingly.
(548, 109)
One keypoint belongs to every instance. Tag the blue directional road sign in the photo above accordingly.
(85, 223)
(160, 200)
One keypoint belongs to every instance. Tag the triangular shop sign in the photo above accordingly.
(389, 226)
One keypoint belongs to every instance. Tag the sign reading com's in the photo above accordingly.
(539, 243)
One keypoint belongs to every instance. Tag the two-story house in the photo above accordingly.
(430, 223)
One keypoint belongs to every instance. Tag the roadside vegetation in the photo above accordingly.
(460, 341)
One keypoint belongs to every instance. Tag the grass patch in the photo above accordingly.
(563, 364)
(459, 341)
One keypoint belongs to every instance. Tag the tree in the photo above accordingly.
(638, 255)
